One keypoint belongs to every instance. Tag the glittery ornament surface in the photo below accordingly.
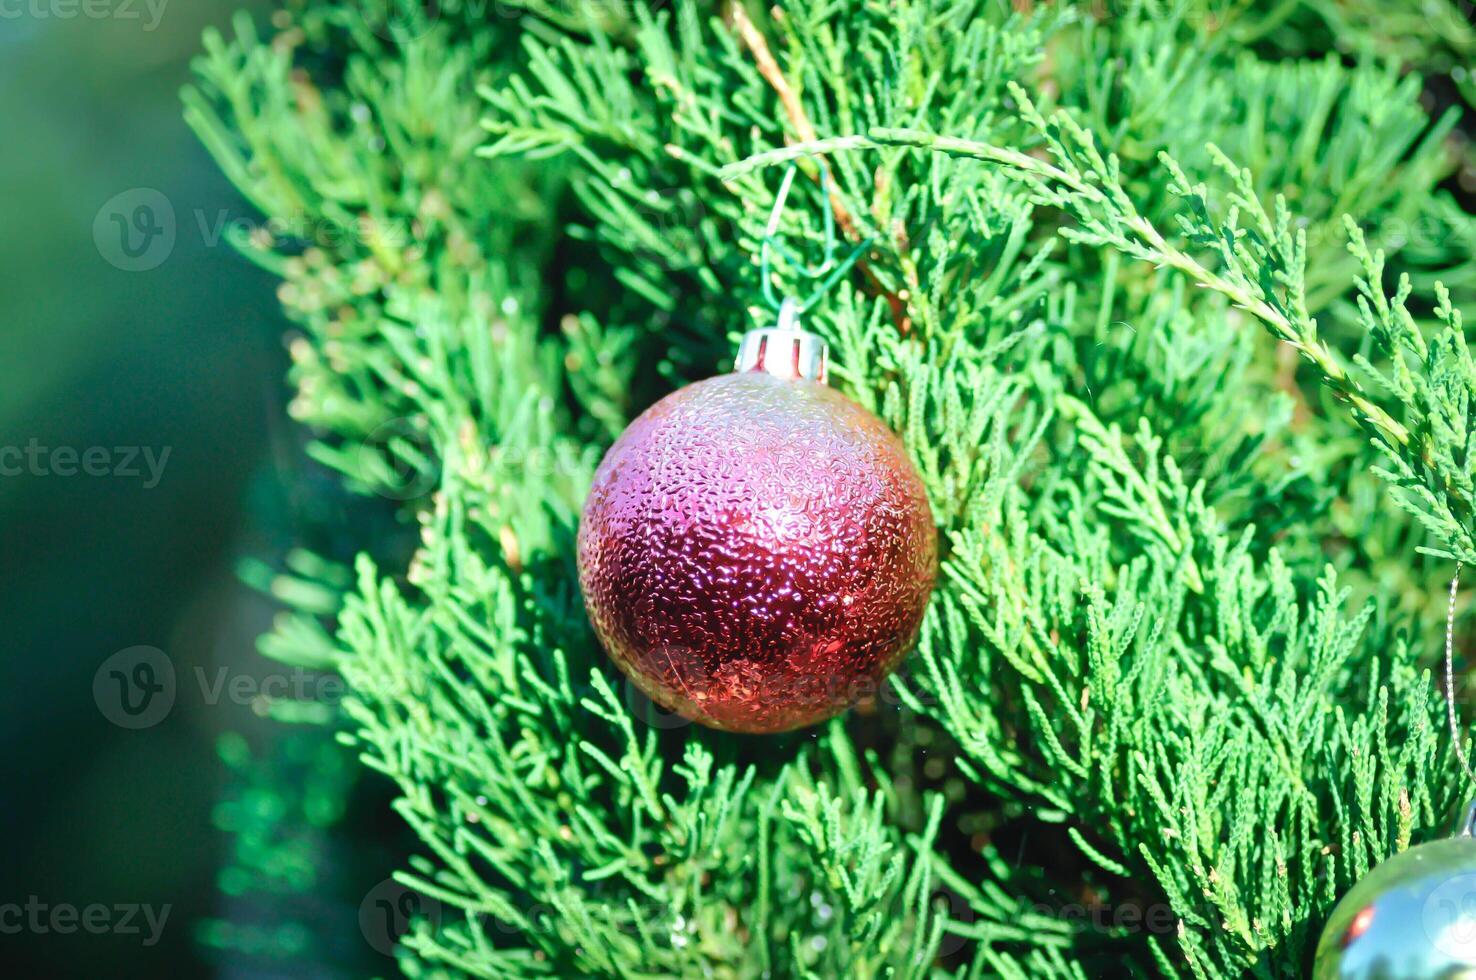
(756, 553)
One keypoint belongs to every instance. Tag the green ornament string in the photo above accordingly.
(828, 272)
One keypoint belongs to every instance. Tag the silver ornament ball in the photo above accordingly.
(1413, 916)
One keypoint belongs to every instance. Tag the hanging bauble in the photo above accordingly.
(1413, 916)
(757, 550)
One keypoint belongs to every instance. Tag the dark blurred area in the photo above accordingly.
(141, 387)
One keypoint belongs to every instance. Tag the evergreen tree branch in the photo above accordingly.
(1261, 271)
(1138, 687)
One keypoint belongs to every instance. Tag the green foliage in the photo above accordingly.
(280, 811)
(1169, 700)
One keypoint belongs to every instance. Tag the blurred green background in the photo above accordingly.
(185, 356)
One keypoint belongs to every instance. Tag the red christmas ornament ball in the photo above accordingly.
(757, 552)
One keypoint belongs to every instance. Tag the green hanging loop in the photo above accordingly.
(829, 271)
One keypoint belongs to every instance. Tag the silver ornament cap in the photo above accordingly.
(1413, 916)
(784, 350)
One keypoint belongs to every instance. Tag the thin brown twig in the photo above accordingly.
(763, 59)
(769, 69)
